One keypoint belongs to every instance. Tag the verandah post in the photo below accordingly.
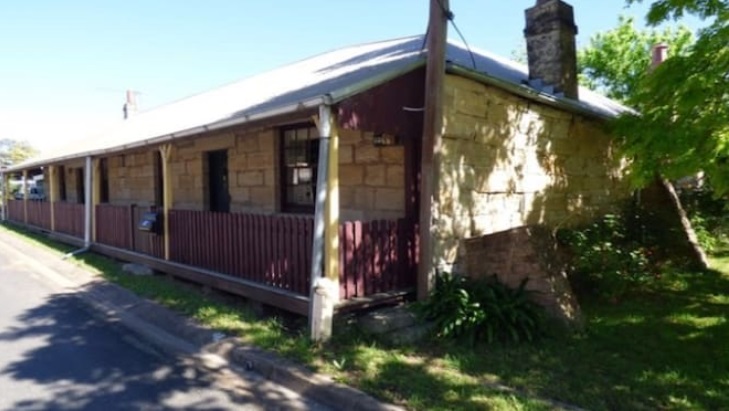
(325, 290)
(25, 196)
(52, 194)
(4, 198)
(95, 196)
(165, 151)
(88, 215)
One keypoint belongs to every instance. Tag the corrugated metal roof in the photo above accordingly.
(328, 77)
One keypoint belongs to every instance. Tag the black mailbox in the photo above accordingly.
(150, 222)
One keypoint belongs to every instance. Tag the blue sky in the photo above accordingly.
(64, 65)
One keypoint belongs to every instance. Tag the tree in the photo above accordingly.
(683, 124)
(615, 61)
(14, 152)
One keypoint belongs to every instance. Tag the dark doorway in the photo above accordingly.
(103, 180)
(80, 189)
(61, 183)
(219, 198)
(159, 196)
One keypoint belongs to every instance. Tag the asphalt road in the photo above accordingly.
(56, 355)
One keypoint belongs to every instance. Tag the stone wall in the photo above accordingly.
(132, 178)
(508, 162)
(372, 179)
(71, 168)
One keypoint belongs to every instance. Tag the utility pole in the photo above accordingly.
(432, 139)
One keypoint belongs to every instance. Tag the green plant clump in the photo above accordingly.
(608, 257)
(482, 310)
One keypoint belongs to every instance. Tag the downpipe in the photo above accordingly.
(76, 252)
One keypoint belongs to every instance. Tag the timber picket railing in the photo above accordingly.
(375, 256)
(15, 211)
(117, 226)
(39, 214)
(69, 218)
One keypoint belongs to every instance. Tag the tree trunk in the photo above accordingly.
(661, 202)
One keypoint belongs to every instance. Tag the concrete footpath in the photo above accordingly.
(177, 335)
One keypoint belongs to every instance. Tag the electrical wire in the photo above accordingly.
(452, 19)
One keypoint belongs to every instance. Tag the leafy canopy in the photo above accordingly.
(14, 152)
(683, 125)
(615, 61)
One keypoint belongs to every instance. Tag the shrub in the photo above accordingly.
(482, 310)
(610, 257)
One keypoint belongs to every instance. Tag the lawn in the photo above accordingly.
(665, 348)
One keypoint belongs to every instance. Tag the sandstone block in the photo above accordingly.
(250, 178)
(215, 142)
(393, 154)
(389, 199)
(366, 153)
(351, 175)
(375, 175)
(395, 176)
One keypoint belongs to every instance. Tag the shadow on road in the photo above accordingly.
(79, 362)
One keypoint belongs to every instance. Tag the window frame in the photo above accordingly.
(310, 161)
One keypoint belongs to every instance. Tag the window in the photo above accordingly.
(103, 181)
(299, 159)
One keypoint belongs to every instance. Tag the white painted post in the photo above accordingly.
(320, 324)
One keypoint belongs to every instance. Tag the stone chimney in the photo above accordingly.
(130, 107)
(660, 54)
(551, 51)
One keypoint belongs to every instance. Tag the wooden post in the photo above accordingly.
(165, 151)
(95, 195)
(325, 290)
(432, 140)
(52, 170)
(25, 196)
(4, 198)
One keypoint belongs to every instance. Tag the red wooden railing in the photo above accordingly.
(114, 225)
(69, 218)
(272, 250)
(39, 214)
(375, 257)
(15, 211)
(117, 226)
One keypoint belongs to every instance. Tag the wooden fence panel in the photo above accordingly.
(69, 218)
(375, 256)
(39, 214)
(145, 242)
(114, 226)
(15, 211)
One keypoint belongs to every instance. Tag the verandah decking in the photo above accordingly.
(275, 250)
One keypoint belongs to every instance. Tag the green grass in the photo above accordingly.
(667, 348)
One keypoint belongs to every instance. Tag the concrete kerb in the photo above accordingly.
(175, 334)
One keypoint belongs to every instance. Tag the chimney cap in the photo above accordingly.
(659, 54)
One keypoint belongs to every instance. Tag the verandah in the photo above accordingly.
(377, 256)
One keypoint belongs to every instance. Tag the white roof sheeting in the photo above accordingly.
(328, 77)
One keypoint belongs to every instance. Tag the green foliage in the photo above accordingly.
(482, 310)
(14, 152)
(609, 257)
(708, 215)
(683, 125)
(615, 61)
